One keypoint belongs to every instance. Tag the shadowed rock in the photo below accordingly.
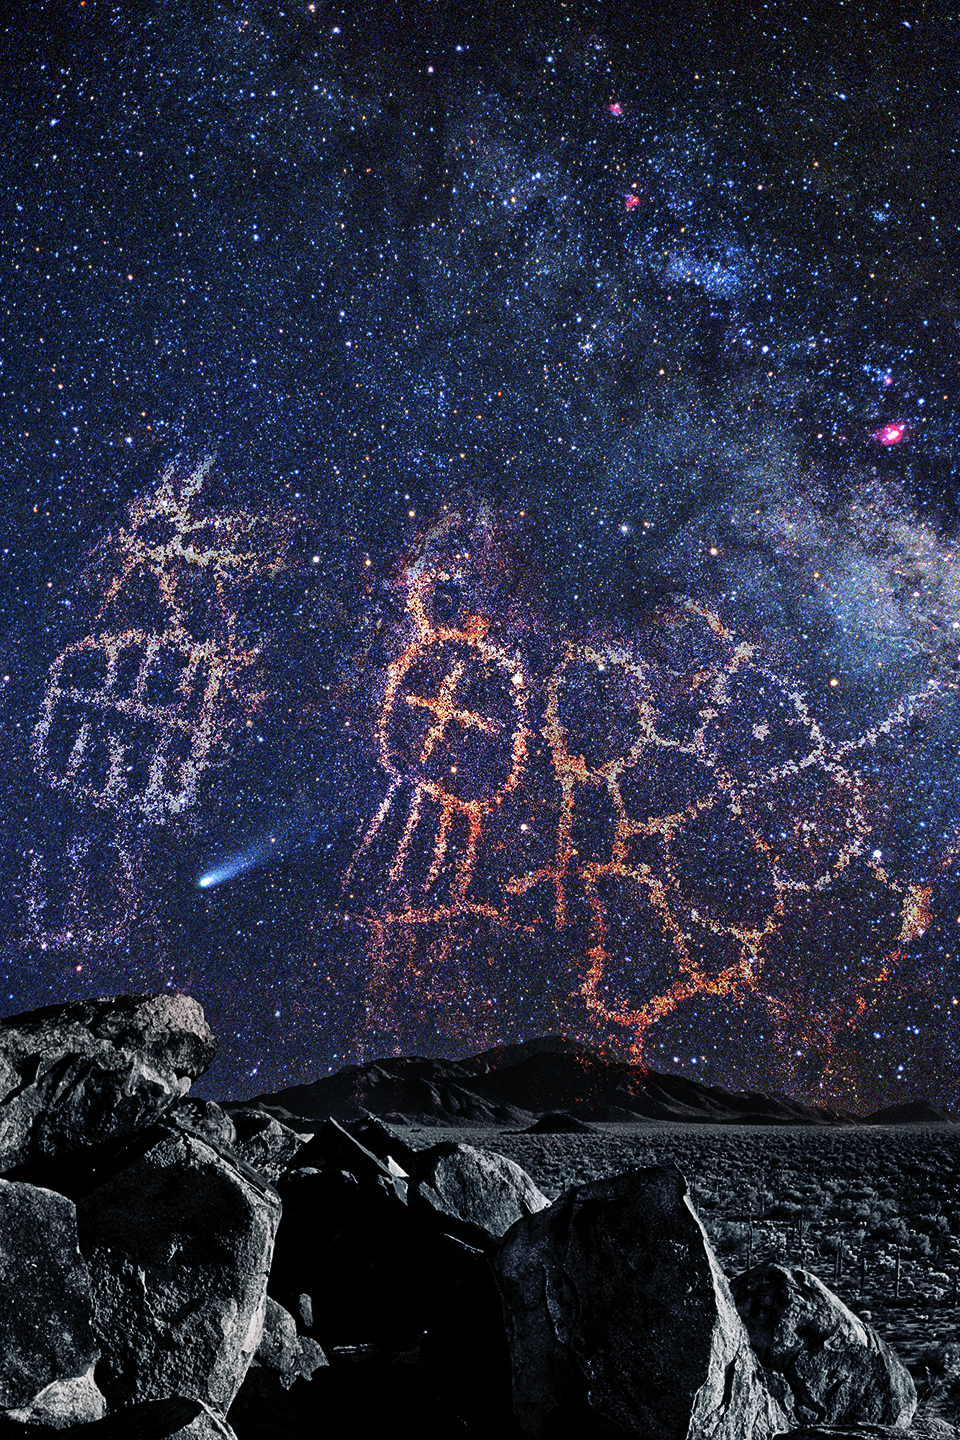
(73, 1075)
(204, 1118)
(620, 1321)
(837, 1367)
(391, 1278)
(179, 1243)
(47, 1344)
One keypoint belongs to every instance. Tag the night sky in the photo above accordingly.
(480, 530)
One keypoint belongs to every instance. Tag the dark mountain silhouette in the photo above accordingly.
(909, 1112)
(514, 1084)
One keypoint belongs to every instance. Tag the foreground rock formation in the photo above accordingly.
(617, 1311)
(171, 1267)
(837, 1369)
(71, 1075)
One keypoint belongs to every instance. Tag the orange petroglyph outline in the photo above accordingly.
(819, 844)
(471, 636)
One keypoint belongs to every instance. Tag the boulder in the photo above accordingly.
(481, 1188)
(179, 1243)
(73, 1075)
(290, 1356)
(204, 1118)
(383, 1140)
(348, 1239)
(153, 1420)
(334, 1149)
(620, 1321)
(836, 1366)
(47, 1344)
(389, 1282)
(265, 1143)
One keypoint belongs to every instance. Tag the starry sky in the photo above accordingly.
(480, 530)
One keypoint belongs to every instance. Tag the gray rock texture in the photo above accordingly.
(47, 1344)
(290, 1356)
(179, 1243)
(204, 1118)
(73, 1075)
(836, 1366)
(479, 1187)
(265, 1143)
(921, 1429)
(152, 1420)
(619, 1316)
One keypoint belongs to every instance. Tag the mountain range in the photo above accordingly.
(547, 1081)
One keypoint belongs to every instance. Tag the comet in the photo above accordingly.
(250, 859)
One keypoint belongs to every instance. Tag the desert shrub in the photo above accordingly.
(941, 1361)
(785, 1209)
(933, 1225)
(892, 1229)
(727, 1237)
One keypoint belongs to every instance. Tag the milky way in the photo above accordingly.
(480, 532)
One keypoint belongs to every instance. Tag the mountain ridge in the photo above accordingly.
(514, 1085)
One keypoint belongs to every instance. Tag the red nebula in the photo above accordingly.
(890, 434)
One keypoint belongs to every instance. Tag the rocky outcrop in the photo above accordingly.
(204, 1118)
(153, 1420)
(140, 1229)
(477, 1187)
(836, 1366)
(618, 1314)
(925, 1429)
(47, 1345)
(179, 1242)
(72, 1075)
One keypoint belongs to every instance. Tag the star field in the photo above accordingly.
(480, 531)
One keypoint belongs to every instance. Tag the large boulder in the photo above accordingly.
(837, 1367)
(620, 1320)
(480, 1188)
(153, 1420)
(47, 1344)
(347, 1238)
(73, 1075)
(179, 1243)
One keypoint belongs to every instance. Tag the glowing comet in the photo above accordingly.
(234, 865)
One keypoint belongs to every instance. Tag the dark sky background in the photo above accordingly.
(479, 523)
